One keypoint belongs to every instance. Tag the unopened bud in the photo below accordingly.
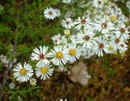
(67, 33)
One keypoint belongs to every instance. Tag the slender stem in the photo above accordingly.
(8, 67)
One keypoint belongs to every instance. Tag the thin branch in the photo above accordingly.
(8, 68)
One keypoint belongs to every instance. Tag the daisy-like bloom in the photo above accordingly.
(104, 26)
(89, 53)
(58, 13)
(44, 70)
(23, 73)
(123, 46)
(122, 32)
(98, 3)
(67, 23)
(86, 39)
(63, 40)
(33, 82)
(87, 13)
(72, 39)
(99, 46)
(40, 55)
(66, 1)
(82, 50)
(118, 10)
(56, 39)
(110, 48)
(109, 36)
(49, 13)
(116, 42)
(86, 22)
(74, 53)
(60, 55)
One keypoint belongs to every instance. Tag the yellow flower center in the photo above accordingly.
(112, 18)
(108, 4)
(32, 81)
(99, 13)
(110, 47)
(123, 52)
(23, 71)
(72, 52)
(59, 54)
(44, 70)
(115, 52)
(92, 15)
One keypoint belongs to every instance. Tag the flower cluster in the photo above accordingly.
(101, 29)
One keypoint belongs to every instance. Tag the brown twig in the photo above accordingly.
(8, 68)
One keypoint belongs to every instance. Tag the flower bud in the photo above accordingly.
(67, 33)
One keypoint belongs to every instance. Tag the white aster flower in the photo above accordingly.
(56, 39)
(98, 3)
(44, 70)
(58, 13)
(82, 50)
(104, 26)
(87, 13)
(33, 82)
(123, 46)
(49, 13)
(67, 23)
(23, 73)
(60, 56)
(122, 32)
(99, 46)
(86, 22)
(74, 53)
(86, 38)
(110, 49)
(72, 39)
(40, 55)
(89, 53)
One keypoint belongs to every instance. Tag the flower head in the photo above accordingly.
(49, 13)
(44, 70)
(60, 55)
(40, 55)
(23, 73)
